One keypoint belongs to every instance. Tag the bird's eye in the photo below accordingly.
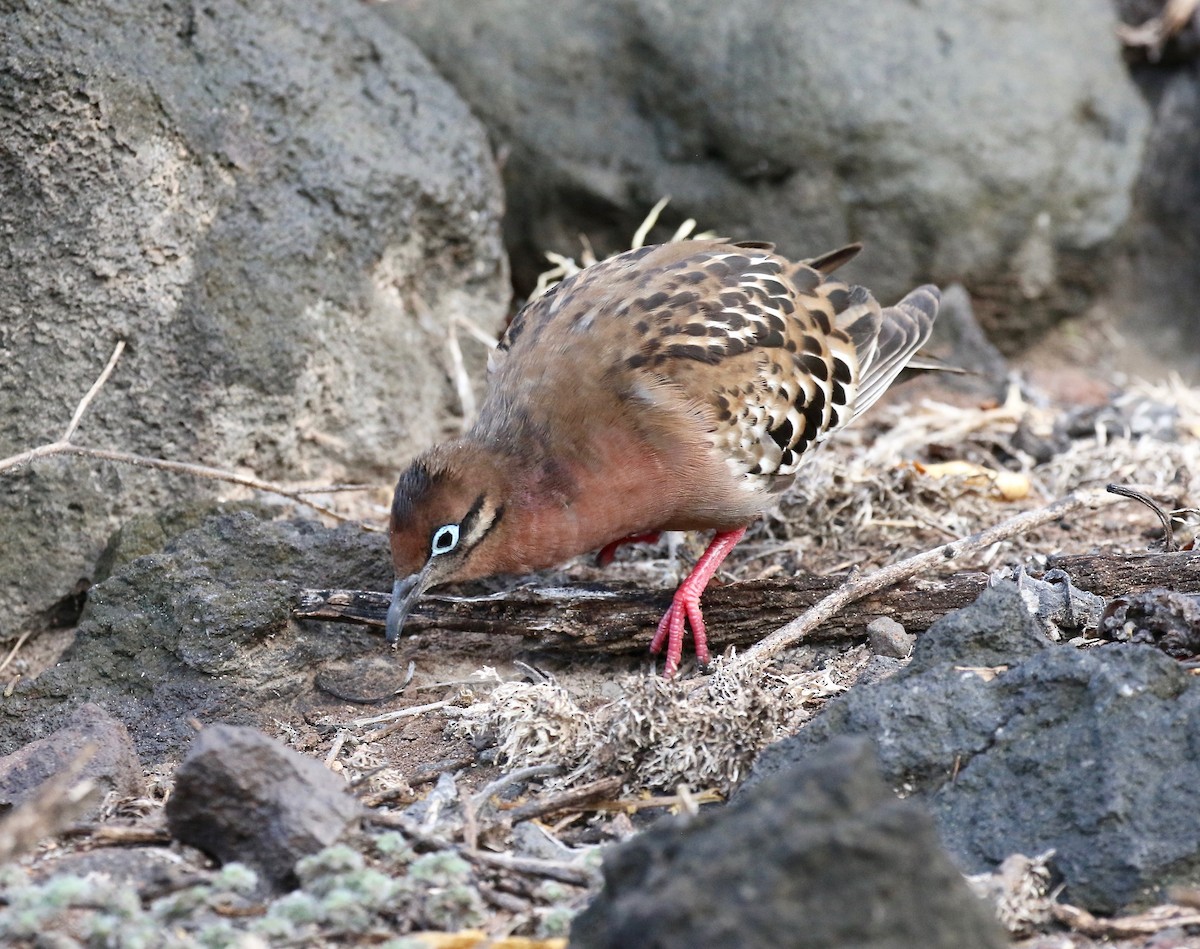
(445, 539)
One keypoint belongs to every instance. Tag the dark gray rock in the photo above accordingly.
(1168, 620)
(880, 667)
(114, 767)
(999, 627)
(150, 532)
(960, 141)
(1018, 746)
(821, 855)
(202, 629)
(1159, 295)
(258, 198)
(927, 716)
(241, 796)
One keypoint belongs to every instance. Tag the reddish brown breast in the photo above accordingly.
(622, 486)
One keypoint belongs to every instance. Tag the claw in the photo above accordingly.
(685, 605)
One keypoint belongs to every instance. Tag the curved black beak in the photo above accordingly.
(404, 594)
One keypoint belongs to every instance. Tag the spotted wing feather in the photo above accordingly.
(799, 380)
(778, 353)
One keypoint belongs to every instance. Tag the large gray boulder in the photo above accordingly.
(994, 144)
(1020, 745)
(820, 856)
(277, 206)
(201, 629)
(1160, 296)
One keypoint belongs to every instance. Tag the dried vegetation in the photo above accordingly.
(585, 762)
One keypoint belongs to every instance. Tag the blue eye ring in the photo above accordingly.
(445, 539)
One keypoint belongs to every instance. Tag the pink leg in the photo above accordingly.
(686, 604)
(608, 551)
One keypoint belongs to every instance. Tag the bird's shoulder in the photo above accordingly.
(688, 301)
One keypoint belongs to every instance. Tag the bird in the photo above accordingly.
(673, 387)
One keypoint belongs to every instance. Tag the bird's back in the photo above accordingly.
(727, 355)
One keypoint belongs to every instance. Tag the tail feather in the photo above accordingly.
(903, 330)
(828, 263)
(861, 321)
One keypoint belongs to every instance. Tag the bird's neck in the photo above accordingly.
(559, 507)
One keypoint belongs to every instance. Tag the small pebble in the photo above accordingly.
(886, 637)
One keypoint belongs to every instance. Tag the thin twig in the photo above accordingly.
(575, 874)
(82, 407)
(57, 447)
(708, 796)
(473, 804)
(1124, 927)
(432, 770)
(577, 798)
(15, 649)
(109, 835)
(1124, 491)
(335, 749)
(64, 446)
(58, 802)
(401, 713)
(868, 583)
(509, 902)
(335, 488)
(203, 471)
(410, 828)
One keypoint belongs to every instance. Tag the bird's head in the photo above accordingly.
(447, 503)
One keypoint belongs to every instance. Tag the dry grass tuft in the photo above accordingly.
(659, 734)
(1019, 891)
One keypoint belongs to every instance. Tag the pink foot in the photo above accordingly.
(608, 551)
(685, 606)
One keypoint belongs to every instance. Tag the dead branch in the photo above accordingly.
(611, 618)
(574, 874)
(474, 803)
(617, 617)
(109, 835)
(859, 587)
(577, 798)
(1116, 574)
(1124, 927)
(12, 653)
(64, 446)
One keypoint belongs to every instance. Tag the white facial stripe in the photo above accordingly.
(482, 522)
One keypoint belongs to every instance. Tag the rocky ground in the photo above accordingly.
(276, 245)
(340, 790)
